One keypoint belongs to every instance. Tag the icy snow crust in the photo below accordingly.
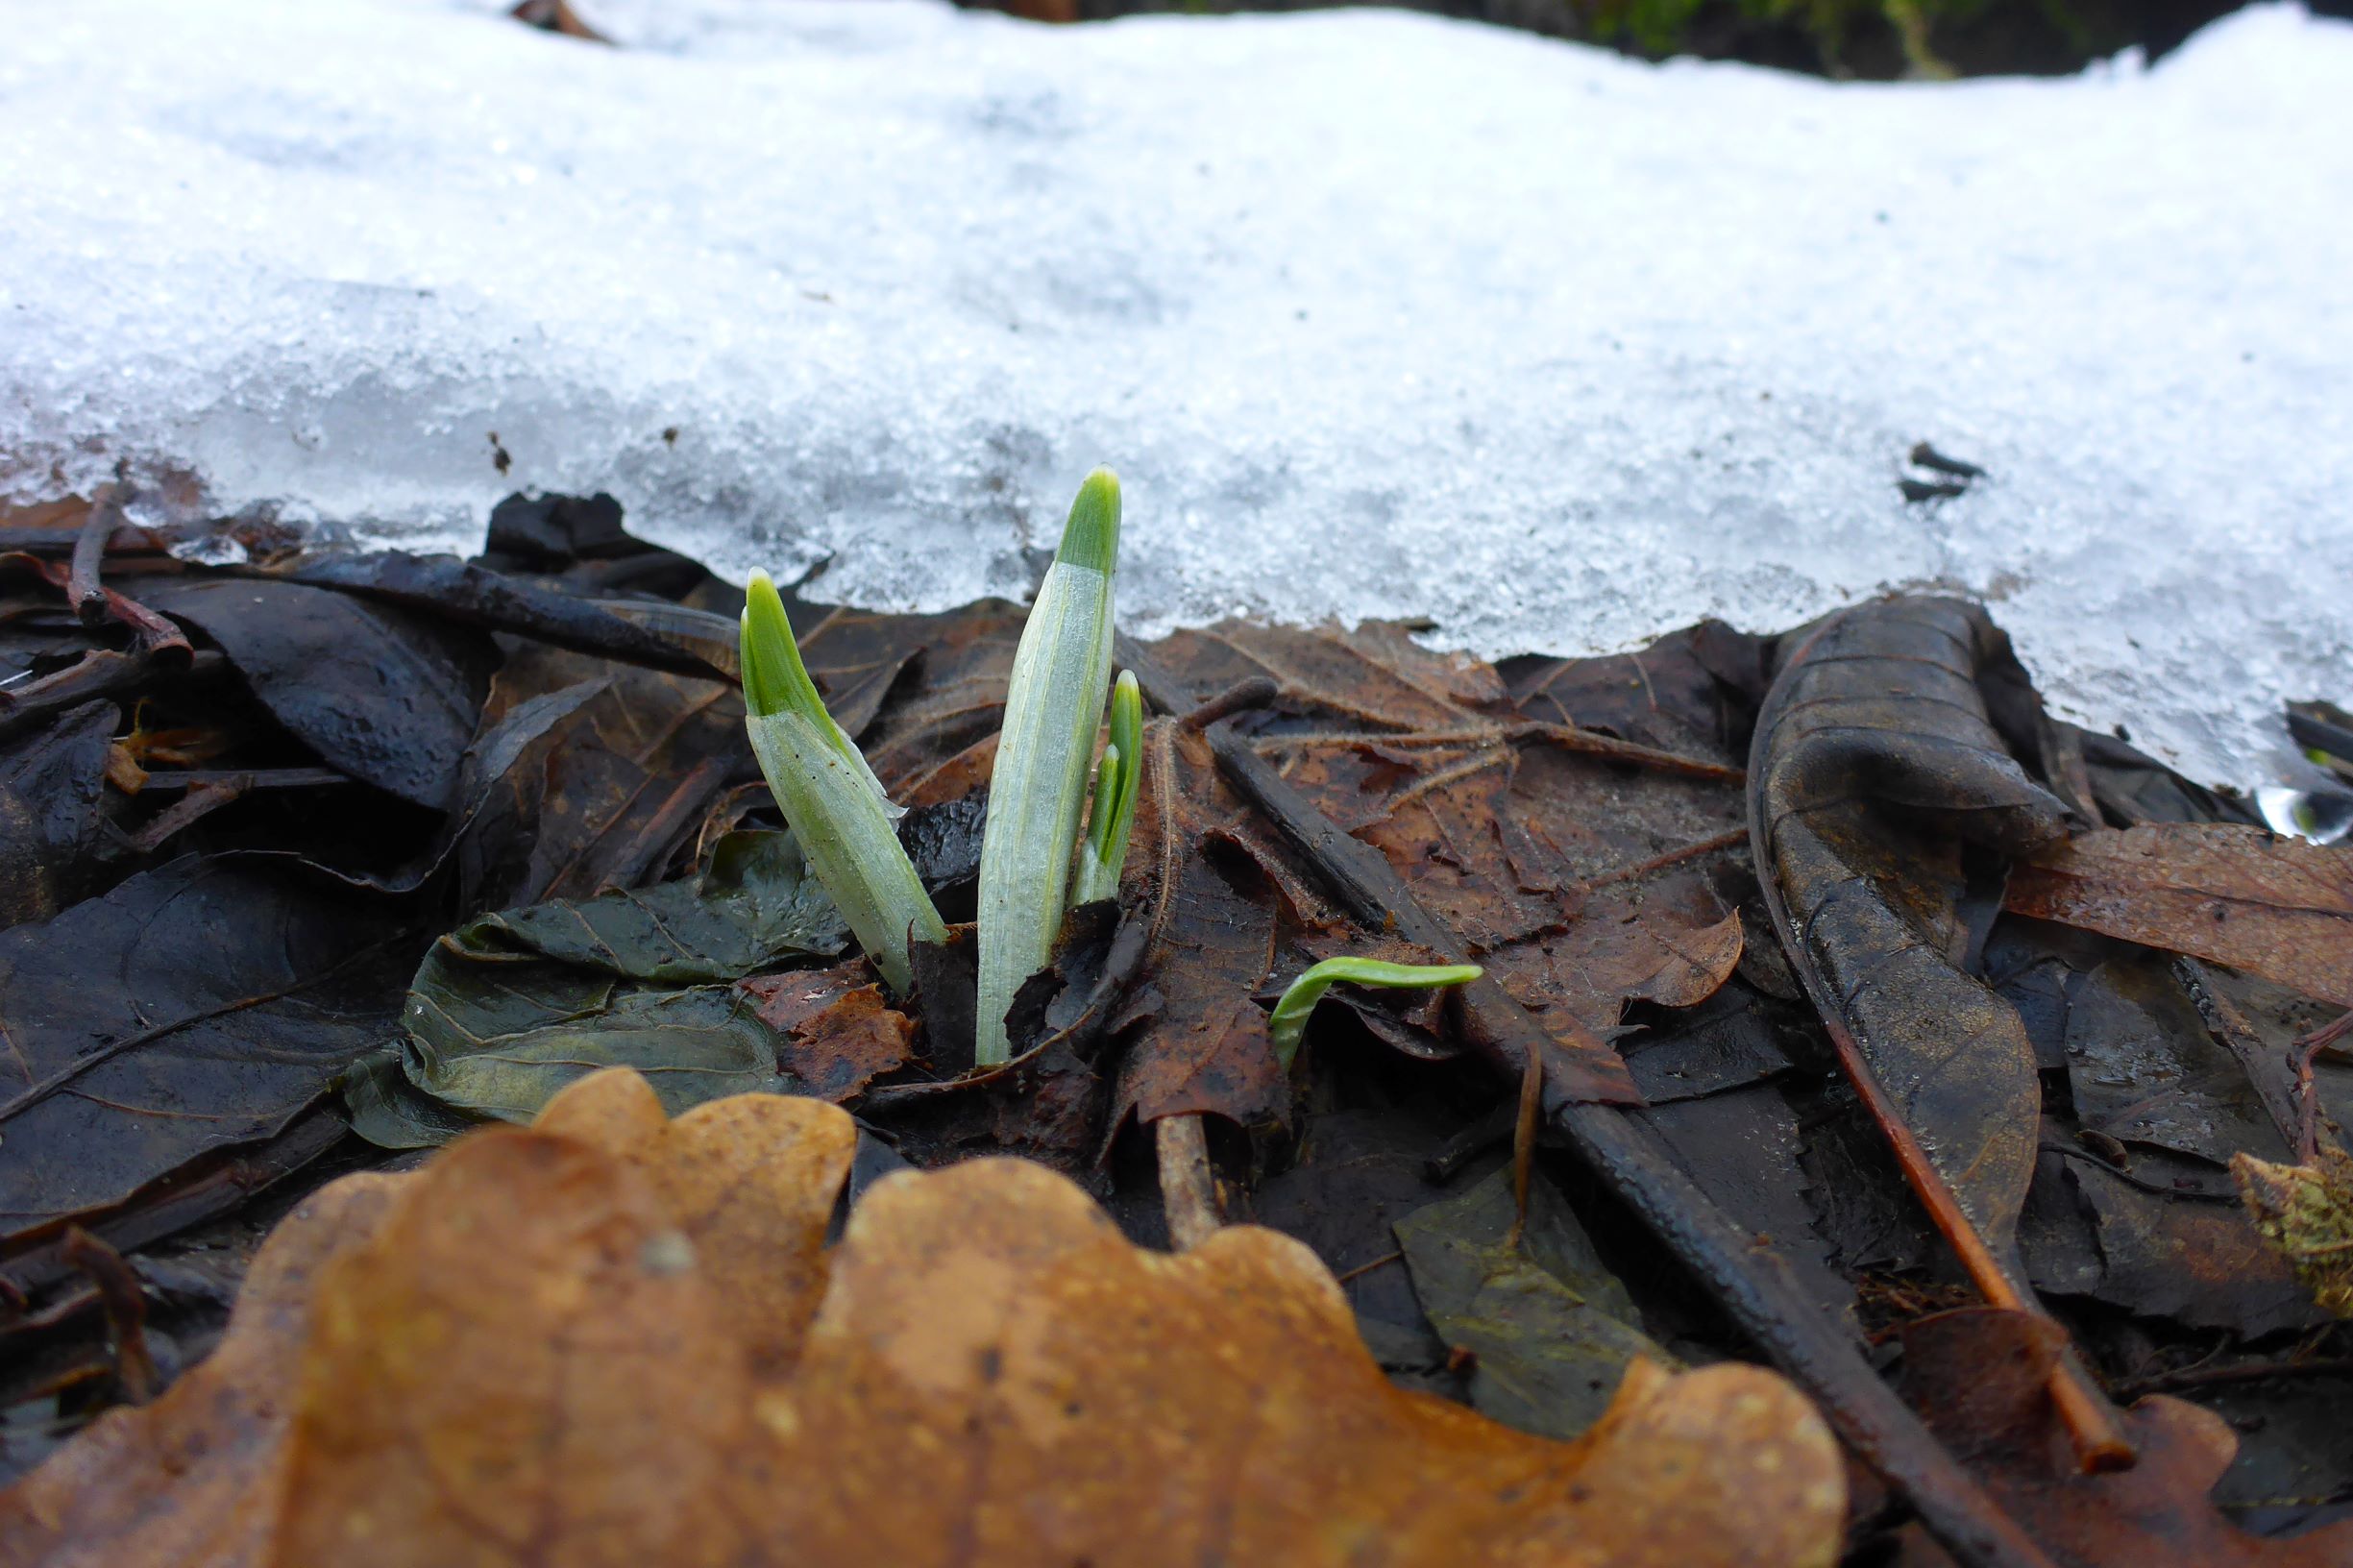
(1376, 314)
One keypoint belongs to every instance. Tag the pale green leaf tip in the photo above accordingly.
(1289, 1021)
(1090, 537)
(771, 658)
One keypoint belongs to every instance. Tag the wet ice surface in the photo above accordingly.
(1377, 314)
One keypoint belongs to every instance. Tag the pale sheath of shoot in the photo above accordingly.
(836, 806)
(1103, 854)
(1290, 1019)
(1053, 707)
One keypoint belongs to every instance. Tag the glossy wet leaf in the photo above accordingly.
(512, 1007)
(752, 906)
(384, 695)
(1553, 1329)
(609, 1340)
(1873, 759)
(190, 1007)
(483, 1046)
(607, 793)
(53, 799)
(2280, 908)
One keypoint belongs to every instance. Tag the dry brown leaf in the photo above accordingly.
(1623, 950)
(585, 1345)
(834, 1034)
(1981, 1379)
(186, 1479)
(2276, 907)
(1215, 922)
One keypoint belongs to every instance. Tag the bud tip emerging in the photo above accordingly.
(1091, 538)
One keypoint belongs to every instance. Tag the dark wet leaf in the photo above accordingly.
(946, 991)
(752, 906)
(1874, 760)
(1551, 1328)
(1356, 1173)
(946, 676)
(512, 1007)
(608, 793)
(2279, 908)
(500, 791)
(387, 696)
(1203, 1046)
(1727, 1041)
(190, 1007)
(2131, 787)
(1624, 949)
(2143, 1068)
(498, 1038)
(1742, 1148)
(2199, 1262)
(2296, 1451)
(1978, 1377)
(1854, 1192)
(943, 842)
(468, 594)
(52, 805)
(1374, 676)
(544, 531)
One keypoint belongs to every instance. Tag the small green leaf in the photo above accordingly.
(1104, 854)
(1290, 1015)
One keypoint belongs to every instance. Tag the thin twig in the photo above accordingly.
(125, 1304)
(2308, 1049)
(1187, 1190)
(1732, 840)
(1362, 1269)
(83, 592)
(1524, 1147)
(1568, 737)
(2207, 1377)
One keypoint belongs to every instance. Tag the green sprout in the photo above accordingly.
(836, 806)
(1103, 853)
(1053, 706)
(1290, 1015)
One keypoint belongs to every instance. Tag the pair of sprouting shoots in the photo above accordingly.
(1037, 859)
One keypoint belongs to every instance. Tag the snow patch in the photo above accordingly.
(1376, 314)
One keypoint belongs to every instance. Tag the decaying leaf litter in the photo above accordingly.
(1997, 1114)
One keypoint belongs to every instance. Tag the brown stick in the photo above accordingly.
(1188, 1191)
(83, 590)
(126, 1308)
(1524, 1147)
(1755, 1286)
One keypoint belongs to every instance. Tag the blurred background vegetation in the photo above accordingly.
(1875, 39)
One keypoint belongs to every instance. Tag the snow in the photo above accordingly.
(1376, 314)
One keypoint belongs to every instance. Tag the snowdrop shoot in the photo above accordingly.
(836, 806)
(1053, 707)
